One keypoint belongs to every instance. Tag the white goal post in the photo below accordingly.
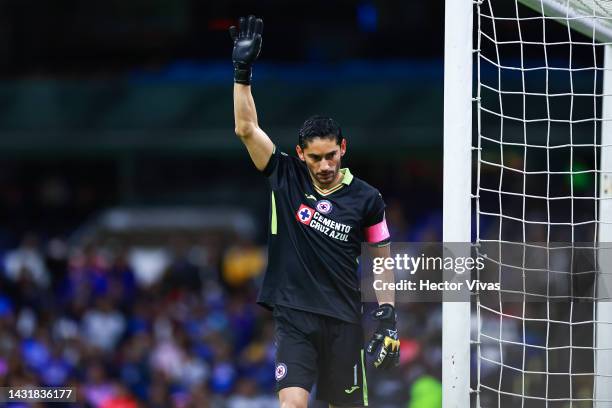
(456, 196)
(603, 381)
(463, 57)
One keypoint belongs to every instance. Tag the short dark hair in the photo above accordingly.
(319, 126)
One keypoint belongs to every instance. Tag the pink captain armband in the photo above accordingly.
(377, 233)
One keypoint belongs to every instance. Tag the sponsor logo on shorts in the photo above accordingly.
(352, 389)
(324, 207)
(280, 372)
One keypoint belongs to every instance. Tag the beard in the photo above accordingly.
(325, 178)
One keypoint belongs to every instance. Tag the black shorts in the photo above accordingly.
(311, 347)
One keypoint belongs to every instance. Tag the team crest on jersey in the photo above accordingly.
(280, 372)
(304, 214)
(324, 207)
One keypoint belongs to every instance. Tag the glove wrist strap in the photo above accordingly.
(242, 74)
(385, 312)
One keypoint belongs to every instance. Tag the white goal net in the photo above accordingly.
(542, 203)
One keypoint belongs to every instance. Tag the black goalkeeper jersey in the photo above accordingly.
(315, 240)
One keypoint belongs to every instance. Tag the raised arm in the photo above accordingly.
(257, 142)
(247, 45)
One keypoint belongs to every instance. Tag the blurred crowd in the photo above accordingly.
(83, 317)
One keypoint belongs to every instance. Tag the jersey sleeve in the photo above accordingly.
(278, 168)
(375, 225)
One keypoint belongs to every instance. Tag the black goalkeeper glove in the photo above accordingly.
(385, 345)
(247, 45)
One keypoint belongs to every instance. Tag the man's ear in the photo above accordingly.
(300, 152)
(342, 147)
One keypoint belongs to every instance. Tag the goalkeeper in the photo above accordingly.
(320, 214)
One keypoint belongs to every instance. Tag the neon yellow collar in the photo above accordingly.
(347, 178)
